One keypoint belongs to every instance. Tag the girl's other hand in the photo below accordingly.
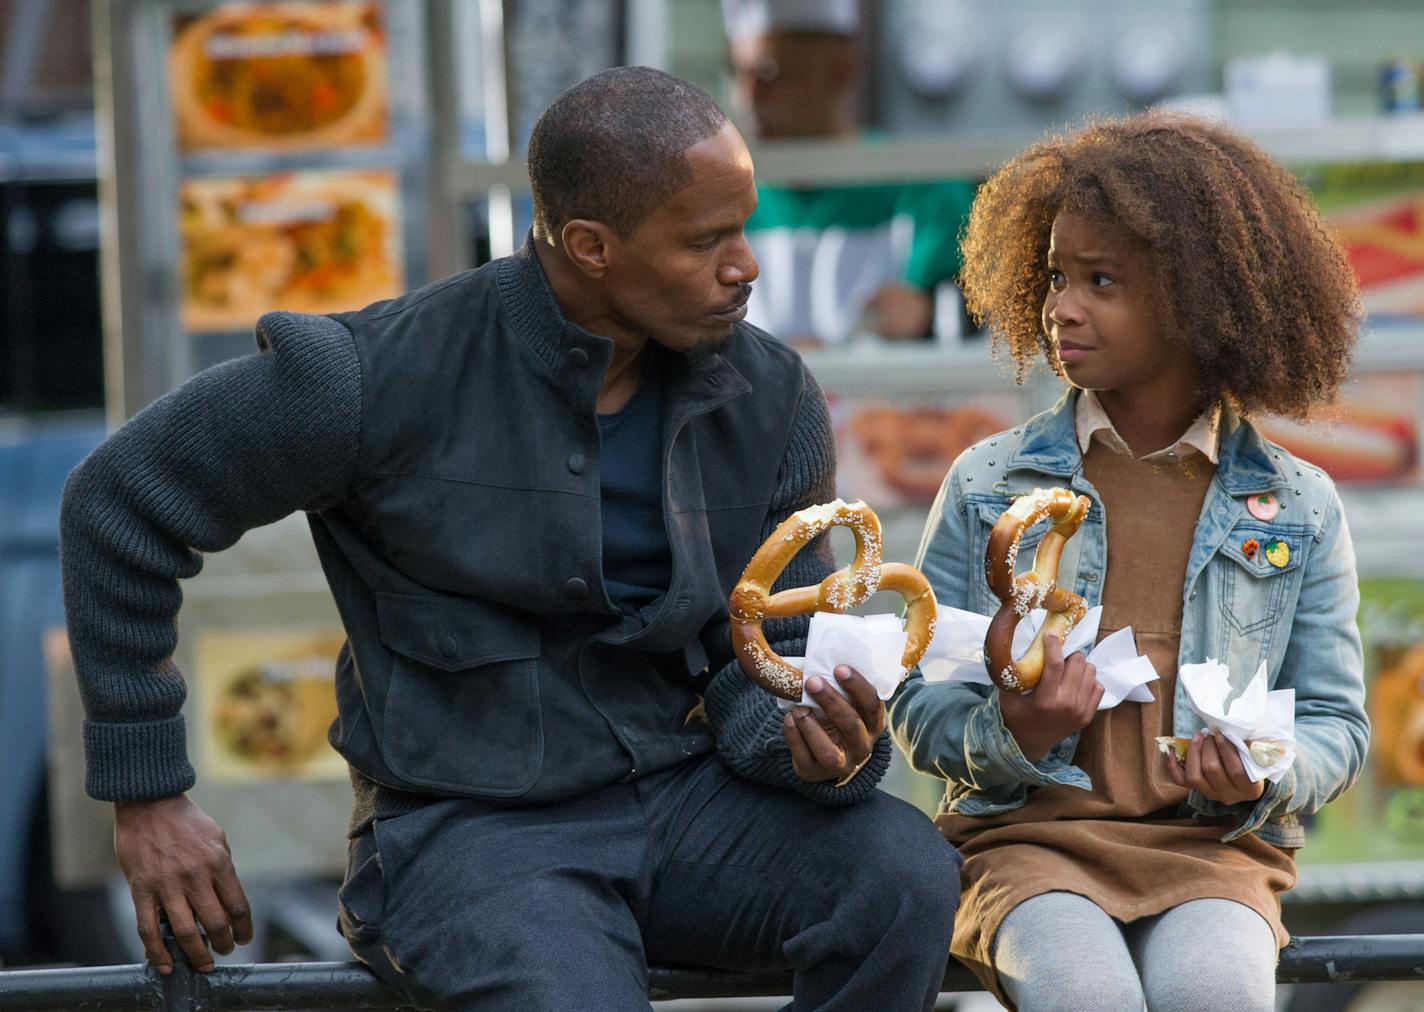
(1064, 700)
(1214, 769)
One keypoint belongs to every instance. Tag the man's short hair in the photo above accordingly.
(611, 148)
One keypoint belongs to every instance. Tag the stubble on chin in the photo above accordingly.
(707, 348)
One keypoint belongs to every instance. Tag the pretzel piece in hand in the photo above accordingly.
(752, 601)
(1038, 588)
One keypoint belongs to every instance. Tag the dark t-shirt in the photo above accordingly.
(637, 560)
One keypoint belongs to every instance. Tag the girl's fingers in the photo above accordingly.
(1235, 770)
(1176, 772)
(1052, 676)
(1193, 768)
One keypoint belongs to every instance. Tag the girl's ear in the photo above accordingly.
(588, 244)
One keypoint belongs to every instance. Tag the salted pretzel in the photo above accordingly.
(752, 600)
(1038, 588)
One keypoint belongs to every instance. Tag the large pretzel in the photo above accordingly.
(752, 600)
(1038, 588)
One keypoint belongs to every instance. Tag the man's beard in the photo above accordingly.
(706, 348)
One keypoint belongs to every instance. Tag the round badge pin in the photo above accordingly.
(1263, 506)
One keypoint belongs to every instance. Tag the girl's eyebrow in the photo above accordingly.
(1094, 257)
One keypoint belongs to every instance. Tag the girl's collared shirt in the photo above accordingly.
(1202, 436)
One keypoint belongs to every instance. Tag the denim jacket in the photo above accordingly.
(1298, 618)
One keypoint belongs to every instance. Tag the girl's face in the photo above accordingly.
(1101, 315)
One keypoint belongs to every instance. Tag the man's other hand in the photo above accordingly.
(177, 863)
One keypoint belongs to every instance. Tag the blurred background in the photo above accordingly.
(171, 169)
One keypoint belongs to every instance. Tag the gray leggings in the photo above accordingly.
(1060, 951)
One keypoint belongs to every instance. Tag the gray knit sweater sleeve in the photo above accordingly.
(240, 445)
(745, 718)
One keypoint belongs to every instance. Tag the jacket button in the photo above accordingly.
(576, 587)
(577, 463)
(578, 357)
(448, 646)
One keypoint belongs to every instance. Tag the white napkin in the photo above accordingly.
(1256, 713)
(956, 653)
(871, 644)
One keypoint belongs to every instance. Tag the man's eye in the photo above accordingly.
(704, 247)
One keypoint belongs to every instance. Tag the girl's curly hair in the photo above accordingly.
(1249, 274)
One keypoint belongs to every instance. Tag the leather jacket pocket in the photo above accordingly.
(462, 710)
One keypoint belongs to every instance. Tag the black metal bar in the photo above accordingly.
(1340, 959)
(111, 988)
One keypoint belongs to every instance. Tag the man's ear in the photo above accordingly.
(588, 245)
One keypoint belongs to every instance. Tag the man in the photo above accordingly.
(531, 487)
(837, 260)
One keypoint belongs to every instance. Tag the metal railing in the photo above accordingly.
(1343, 959)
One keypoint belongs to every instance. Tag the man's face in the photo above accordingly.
(682, 278)
(791, 85)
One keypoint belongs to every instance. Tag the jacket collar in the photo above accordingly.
(539, 322)
(1247, 462)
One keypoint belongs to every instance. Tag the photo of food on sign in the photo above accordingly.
(1376, 210)
(897, 453)
(1370, 437)
(266, 700)
(280, 75)
(1382, 816)
(312, 242)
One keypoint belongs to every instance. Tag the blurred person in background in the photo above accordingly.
(845, 259)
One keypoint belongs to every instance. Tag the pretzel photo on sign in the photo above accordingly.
(752, 600)
(1038, 588)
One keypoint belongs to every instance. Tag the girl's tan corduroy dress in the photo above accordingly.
(1122, 845)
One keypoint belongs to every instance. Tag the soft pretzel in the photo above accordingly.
(1038, 588)
(752, 601)
(1264, 751)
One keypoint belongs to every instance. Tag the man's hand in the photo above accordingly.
(177, 862)
(835, 743)
(1064, 700)
(1214, 768)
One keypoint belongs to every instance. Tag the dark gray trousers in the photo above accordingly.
(468, 905)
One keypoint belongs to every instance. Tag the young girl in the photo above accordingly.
(1181, 282)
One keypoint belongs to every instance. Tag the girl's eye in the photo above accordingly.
(1055, 278)
(1099, 280)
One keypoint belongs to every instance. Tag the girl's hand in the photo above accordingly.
(1064, 700)
(1214, 769)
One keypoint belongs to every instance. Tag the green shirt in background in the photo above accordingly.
(825, 251)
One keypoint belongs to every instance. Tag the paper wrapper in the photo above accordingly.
(871, 644)
(1255, 714)
(956, 653)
